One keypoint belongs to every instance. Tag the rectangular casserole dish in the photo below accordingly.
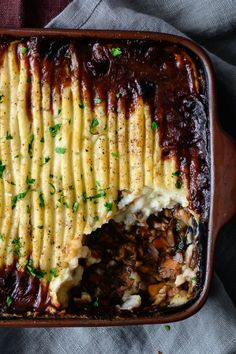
(221, 151)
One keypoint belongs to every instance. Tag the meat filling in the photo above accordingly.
(151, 263)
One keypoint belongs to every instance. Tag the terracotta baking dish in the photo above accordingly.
(222, 182)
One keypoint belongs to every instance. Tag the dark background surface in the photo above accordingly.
(29, 13)
(37, 13)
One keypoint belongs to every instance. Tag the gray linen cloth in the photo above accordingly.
(212, 329)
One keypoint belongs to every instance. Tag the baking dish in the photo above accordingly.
(213, 228)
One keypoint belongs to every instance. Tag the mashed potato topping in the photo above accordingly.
(83, 145)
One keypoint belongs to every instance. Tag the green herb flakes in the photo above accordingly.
(96, 218)
(60, 150)
(16, 246)
(53, 189)
(1, 237)
(54, 129)
(18, 197)
(115, 155)
(42, 140)
(9, 301)
(119, 95)
(1, 98)
(23, 50)
(41, 200)
(98, 100)
(96, 196)
(37, 273)
(176, 173)
(2, 168)
(46, 159)
(167, 328)
(30, 180)
(75, 207)
(108, 206)
(194, 279)
(178, 184)
(53, 273)
(98, 184)
(154, 126)
(30, 146)
(82, 105)
(115, 52)
(95, 303)
(93, 125)
(9, 136)
(40, 227)
(62, 201)
(59, 111)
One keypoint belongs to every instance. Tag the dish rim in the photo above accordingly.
(213, 132)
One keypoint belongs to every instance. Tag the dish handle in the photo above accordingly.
(225, 178)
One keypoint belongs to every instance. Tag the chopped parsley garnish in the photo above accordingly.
(30, 180)
(115, 155)
(95, 303)
(96, 196)
(115, 52)
(98, 100)
(1, 237)
(93, 125)
(178, 184)
(18, 197)
(37, 273)
(53, 189)
(82, 105)
(154, 126)
(2, 168)
(194, 279)
(75, 207)
(16, 246)
(23, 50)
(30, 147)
(1, 98)
(41, 200)
(42, 140)
(108, 206)
(119, 95)
(46, 159)
(96, 218)
(54, 129)
(98, 184)
(9, 136)
(176, 173)
(59, 111)
(53, 273)
(60, 150)
(9, 301)
(167, 327)
(62, 200)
